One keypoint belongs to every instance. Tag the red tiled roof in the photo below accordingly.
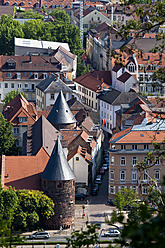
(24, 172)
(93, 80)
(20, 107)
(45, 113)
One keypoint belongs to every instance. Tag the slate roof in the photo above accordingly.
(109, 96)
(41, 134)
(53, 84)
(61, 113)
(57, 168)
(124, 77)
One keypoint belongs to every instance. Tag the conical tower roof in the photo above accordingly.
(57, 168)
(61, 113)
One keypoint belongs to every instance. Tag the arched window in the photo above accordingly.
(131, 67)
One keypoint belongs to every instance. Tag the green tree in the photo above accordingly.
(7, 141)
(33, 208)
(10, 96)
(9, 29)
(125, 198)
(31, 14)
(60, 16)
(84, 238)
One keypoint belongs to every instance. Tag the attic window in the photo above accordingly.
(141, 135)
(77, 158)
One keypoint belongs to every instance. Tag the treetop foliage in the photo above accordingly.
(10, 96)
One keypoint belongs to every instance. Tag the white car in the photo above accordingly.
(98, 181)
(112, 233)
(40, 235)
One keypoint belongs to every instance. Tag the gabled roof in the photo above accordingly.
(41, 134)
(82, 152)
(95, 80)
(57, 168)
(61, 113)
(124, 77)
(53, 84)
(62, 50)
(109, 96)
(20, 107)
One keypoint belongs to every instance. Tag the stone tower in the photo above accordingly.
(58, 182)
(61, 116)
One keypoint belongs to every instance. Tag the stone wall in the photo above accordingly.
(63, 195)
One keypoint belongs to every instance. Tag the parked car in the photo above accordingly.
(102, 171)
(112, 233)
(99, 176)
(94, 191)
(98, 181)
(105, 167)
(40, 235)
(111, 202)
(80, 197)
(96, 186)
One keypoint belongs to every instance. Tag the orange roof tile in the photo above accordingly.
(24, 172)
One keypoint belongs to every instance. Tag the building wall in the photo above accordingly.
(18, 133)
(87, 96)
(80, 169)
(118, 168)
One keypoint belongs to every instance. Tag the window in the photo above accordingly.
(134, 147)
(26, 85)
(157, 161)
(104, 105)
(146, 147)
(122, 175)
(12, 85)
(123, 147)
(89, 93)
(144, 190)
(131, 67)
(6, 85)
(107, 106)
(157, 175)
(18, 75)
(101, 113)
(98, 18)
(108, 116)
(19, 86)
(134, 161)
(112, 175)
(146, 161)
(104, 115)
(92, 94)
(107, 125)
(134, 189)
(145, 175)
(85, 25)
(16, 130)
(112, 189)
(52, 96)
(44, 75)
(114, 18)
(46, 5)
(77, 158)
(122, 161)
(58, 185)
(134, 175)
(9, 74)
(112, 160)
(35, 75)
(22, 119)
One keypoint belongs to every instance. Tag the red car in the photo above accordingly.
(102, 171)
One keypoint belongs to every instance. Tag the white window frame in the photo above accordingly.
(18, 75)
(112, 160)
(112, 175)
(112, 189)
(157, 161)
(157, 173)
(123, 147)
(134, 147)
(144, 190)
(122, 161)
(123, 175)
(134, 161)
(134, 175)
(35, 75)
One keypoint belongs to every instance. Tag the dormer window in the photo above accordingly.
(11, 63)
(35, 75)
(15, 4)
(44, 75)
(18, 75)
(53, 6)
(22, 119)
(7, 3)
(22, 3)
(37, 5)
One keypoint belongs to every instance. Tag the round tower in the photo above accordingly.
(61, 116)
(58, 182)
